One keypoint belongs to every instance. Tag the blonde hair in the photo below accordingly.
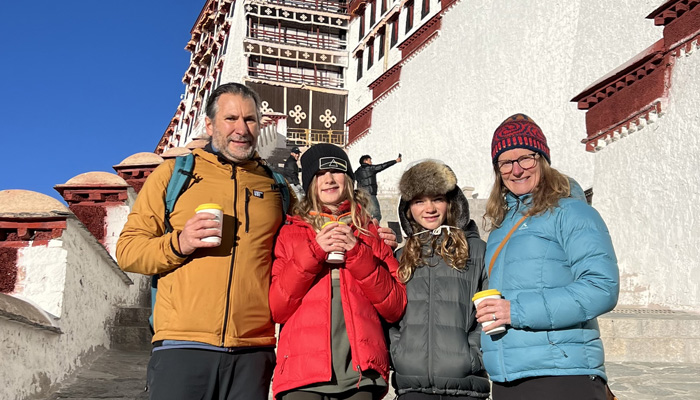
(453, 247)
(552, 187)
(311, 203)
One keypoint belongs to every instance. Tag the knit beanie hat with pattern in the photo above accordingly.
(519, 132)
(323, 156)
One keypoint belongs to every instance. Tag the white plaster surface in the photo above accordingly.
(42, 273)
(236, 65)
(114, 221)
(34, 361)
(493, 59)
(647, 190)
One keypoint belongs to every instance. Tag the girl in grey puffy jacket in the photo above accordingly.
(435, 349)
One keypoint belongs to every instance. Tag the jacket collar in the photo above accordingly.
(213, 156)
(513, 200)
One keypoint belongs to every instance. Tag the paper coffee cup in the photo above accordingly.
(335, 257)
(218, 213)
(488, 294)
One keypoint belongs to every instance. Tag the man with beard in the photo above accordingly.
(214, 337)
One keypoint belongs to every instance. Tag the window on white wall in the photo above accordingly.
(425, 9)
(359, 65)
(362, 25)
(380, 52)
(394, 31)
(370, 54)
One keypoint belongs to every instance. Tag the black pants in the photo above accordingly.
(185, 374)
(428, 396)
(351, 395)
(574, 387)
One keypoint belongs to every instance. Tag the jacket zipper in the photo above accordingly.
(247, 201)
(284, 361)
(430, 325)
(233, 255)
(330, 318)
(557, 347)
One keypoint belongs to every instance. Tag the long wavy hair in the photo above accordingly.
(552, 187)
(452, 247)
(358, 206)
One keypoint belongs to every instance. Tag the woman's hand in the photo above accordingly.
(336, 237)
(496, 310)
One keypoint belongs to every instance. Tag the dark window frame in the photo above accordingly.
(362, 25)
(359, 65)
(370, 54)
(394, 31)
(409, 16)
(382, 40)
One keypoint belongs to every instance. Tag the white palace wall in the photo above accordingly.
(496, 58)
(647, 190)
(87, 287)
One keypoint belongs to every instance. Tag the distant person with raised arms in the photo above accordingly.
(366, 176)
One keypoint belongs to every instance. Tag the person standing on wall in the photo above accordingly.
(553, 262)
(366, 176)
(291, 171)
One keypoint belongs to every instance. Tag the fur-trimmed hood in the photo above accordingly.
(431, 178)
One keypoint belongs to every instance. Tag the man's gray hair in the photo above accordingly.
(232, 88)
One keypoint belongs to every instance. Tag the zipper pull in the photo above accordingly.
(359, 380)
(283, 363)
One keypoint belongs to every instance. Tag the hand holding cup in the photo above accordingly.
(492, 311)
(335, 238)
(202, 230)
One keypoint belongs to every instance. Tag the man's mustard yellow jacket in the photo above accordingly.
(215, 295)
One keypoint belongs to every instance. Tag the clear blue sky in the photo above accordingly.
(86, 84)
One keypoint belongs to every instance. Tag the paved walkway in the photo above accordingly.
(121, 375)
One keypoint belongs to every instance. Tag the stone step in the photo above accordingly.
(130, 338)
(647, 335)
(131, 330)
(132, 316)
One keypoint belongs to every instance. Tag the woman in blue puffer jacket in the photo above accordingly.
(557, 272)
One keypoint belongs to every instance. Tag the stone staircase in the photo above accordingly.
(131, 330)
(648, 335)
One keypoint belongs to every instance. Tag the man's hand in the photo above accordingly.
(387, 235)
(398, 159)
(198, 227)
